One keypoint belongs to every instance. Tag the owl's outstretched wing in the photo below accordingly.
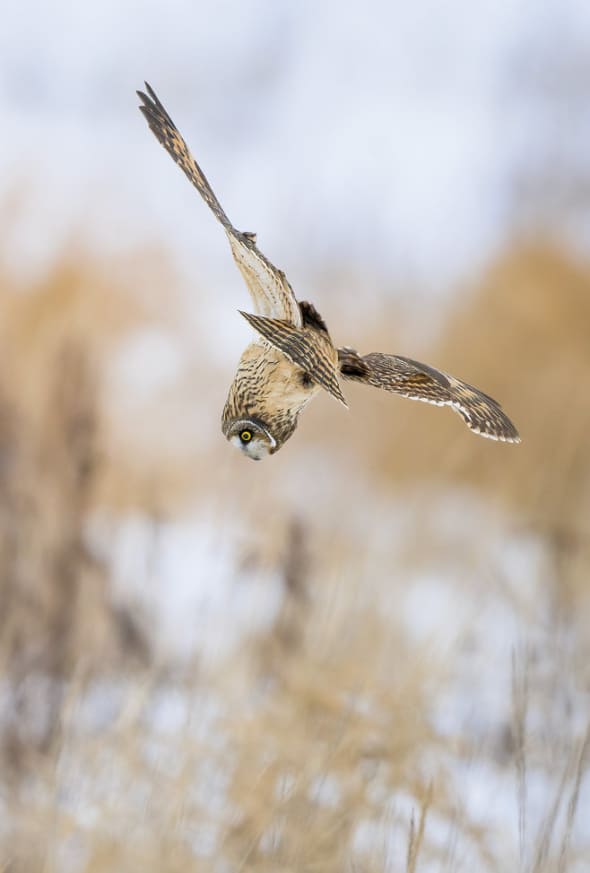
(271, 293)
(481, 413)
(308, 349)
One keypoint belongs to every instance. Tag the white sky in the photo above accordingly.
(394, 138)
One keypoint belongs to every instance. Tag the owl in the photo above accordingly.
(293, 357)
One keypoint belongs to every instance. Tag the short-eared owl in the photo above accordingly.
(294, 357)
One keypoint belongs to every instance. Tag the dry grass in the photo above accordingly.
(317, 746)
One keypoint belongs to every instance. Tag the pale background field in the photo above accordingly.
(370, 652)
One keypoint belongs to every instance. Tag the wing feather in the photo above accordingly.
(271, 293)
(308, 349)
(481, 413)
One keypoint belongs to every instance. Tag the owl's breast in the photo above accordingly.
(269, 387)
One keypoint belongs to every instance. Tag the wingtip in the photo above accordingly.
(151, 92)
(150, 99)
(256, 321)
(142, 94)
(510, 434)
(515, 438)
(341, 398)
(334, 389)
(248, 316)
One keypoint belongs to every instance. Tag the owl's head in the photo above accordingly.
(252, 437)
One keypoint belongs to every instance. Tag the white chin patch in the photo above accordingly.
(254, 449)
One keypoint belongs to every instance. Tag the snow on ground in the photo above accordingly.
(187, 576)
(478, 619)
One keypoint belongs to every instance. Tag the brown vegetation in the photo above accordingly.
(315, 747)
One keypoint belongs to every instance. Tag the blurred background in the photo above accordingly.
(371, 652)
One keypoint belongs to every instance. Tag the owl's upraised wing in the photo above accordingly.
(312, 350)
(481, 413)
(271, 293)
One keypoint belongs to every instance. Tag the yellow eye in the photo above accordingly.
(245, 436)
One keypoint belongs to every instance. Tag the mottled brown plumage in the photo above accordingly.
(308, 348)
(294, 356)
(271, 293)
(482, 414)
(267, 392)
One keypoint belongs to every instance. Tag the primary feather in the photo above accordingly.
(481, 413)
(271, 293)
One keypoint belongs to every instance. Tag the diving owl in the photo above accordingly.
(293, 357)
